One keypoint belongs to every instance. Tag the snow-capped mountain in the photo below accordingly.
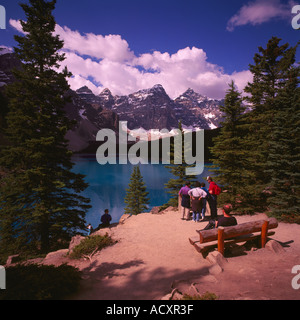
(87, 95)
(8, 61)
(153, 109)
(5, 50)
(148, 108)
(197, 110)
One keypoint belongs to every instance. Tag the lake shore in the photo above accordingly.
(153, 256)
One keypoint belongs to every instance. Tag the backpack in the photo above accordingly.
(217, 189)
(211, 225)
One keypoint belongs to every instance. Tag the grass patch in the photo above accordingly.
(90, 245)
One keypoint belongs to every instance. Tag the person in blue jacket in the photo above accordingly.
(105, 220)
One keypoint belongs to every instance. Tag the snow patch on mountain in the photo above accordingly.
(152, 108)
(5, 50)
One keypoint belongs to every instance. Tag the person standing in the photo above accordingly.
(197, 194)
(185, 200)
(214, 190)
(204, 200)
(90, 229)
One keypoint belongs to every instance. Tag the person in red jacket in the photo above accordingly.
(214, 191)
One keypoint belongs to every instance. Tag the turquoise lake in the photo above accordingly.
(108, 183)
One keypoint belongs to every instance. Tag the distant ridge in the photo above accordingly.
(152, 108)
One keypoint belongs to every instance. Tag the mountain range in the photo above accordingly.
(145, 109)
(153, 109)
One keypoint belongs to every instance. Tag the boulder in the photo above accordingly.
(56, 258)
(170, 208)
(274, 246)
(216, 257)
(124, 217)
(75, 242)
(155, 210)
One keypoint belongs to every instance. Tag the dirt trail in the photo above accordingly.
(153, 252)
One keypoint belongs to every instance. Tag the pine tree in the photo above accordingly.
(269, 75)
(136, 198)
(40, 195)
(227, 152)
(284, 153)
(3, 113)
(179, 173)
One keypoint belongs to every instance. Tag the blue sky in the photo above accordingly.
(134, 44)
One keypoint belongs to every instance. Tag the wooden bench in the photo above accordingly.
(221, 236)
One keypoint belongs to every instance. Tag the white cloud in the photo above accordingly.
(77, 81)
(107, 62)
(112, 47)
(186, 68)
(260, 11)
(16, 24)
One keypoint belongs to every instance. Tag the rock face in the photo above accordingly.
(150, 109)
(153, 109)
(197, 110)
(89, 120)
(8, 61)
(106, 99)
(87, 95)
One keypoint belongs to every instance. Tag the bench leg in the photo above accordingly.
(221, 240)
(264, 232)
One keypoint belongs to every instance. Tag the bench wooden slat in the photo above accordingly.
(193, 240)
(201, 247)
(238, 230)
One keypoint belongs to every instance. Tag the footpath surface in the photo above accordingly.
(153, 256)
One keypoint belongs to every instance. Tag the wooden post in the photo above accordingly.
(221, 240)
(264, 231)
